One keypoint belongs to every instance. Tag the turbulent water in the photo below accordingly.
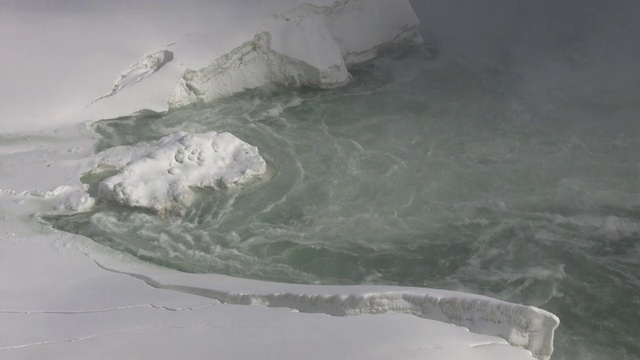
(517, 182)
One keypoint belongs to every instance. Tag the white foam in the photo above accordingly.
(160, 180)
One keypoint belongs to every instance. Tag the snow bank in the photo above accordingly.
(522, 326)
(248, 66)
(69, 308)
(61, 56)
(87, 46)
(309, 45)
(160, 180)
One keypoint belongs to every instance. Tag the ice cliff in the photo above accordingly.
(309, 45)
(161, 180)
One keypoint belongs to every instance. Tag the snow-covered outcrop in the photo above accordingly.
(309, 45)
(139, 70)
(161, 180)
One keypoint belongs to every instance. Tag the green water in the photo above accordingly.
(420, 172)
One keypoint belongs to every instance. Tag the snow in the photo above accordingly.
(251, 65)
(347, 32)
(80, 318)
(66, 297)
(139, 70)
(64, 55)
(161, 180)
(309, 45)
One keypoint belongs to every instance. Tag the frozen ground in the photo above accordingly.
(65, 297)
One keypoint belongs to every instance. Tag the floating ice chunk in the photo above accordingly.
(309, 45)
(160, 180)
(139, 70)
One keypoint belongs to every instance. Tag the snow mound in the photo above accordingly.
(139, 70)
(161, 180)
(309, 45)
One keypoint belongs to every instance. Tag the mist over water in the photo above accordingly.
(507, 166)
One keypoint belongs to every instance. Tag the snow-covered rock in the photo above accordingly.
(309, 45)
(161, 180)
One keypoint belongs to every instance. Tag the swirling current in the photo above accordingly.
(420, 172)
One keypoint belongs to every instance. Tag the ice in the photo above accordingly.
(249, 66)
(523, 326)
(161, 180)
(309, 45)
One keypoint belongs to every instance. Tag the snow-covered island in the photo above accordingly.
(160, 180)
(66, 297)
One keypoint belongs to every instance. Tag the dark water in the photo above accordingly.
(514, 174)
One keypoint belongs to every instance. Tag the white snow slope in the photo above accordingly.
(64, 297)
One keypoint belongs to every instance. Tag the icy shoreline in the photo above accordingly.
(82, 278)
